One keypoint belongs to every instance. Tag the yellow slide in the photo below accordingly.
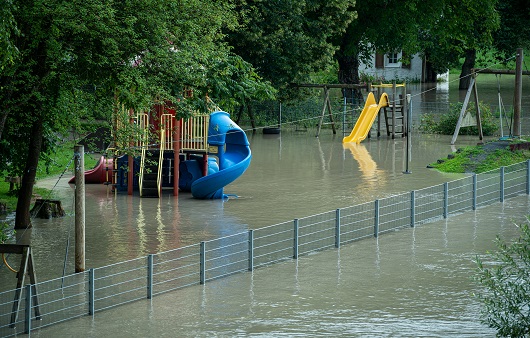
(367, 118)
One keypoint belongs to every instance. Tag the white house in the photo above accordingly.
(390, 66)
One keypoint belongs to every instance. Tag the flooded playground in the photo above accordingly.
(413, 282)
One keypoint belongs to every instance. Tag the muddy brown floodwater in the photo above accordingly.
(413, 282)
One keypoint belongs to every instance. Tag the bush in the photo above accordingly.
(447, 122)
(506, 294)
(428, 124)
(5, 233)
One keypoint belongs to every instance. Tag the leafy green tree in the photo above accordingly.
(8, 50)
(288, 40)
(506, 294)
(233, 83)
(77, 58)
(458, 30)
(441, 30)
(514, 31)
(8, 29)
(477, 21)
(382, 26)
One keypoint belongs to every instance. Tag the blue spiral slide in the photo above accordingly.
(233, 158)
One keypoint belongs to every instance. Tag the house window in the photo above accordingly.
(392, 60)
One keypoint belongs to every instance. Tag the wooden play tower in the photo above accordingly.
(160, 142)
(395, 114)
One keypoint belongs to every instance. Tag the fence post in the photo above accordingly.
(29, 305)
(150, 276)
(250, 250)
(337, 228)
(412, 208)
(528, 177)
(344, 116)
(446, 199)
(295, 239)
(502, 185)
(376, 219)
(474, 202)
(91, 290)
(203, 263)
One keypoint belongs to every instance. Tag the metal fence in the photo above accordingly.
(98, 289)
(305, 115)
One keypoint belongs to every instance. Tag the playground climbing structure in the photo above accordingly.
(201, 154)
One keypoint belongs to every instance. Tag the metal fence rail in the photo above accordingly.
(429, 204)
(271, 244)
(173, 270)
(357, 222)
(81, 294)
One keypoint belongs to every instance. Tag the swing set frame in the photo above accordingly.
(518, 72)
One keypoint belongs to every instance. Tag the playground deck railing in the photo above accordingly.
(194, 133)
(142, 120)
(97, 289)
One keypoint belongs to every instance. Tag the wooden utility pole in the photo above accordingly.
(79, 164)
(518, 93)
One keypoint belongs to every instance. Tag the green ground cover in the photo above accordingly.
(482, 158)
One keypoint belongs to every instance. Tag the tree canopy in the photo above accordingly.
(514, 31)
(8, 29)
(380, 26)
(287, 40)
(464, 28)
(441, 30)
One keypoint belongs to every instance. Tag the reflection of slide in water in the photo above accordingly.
(367, 165)
(367, 118)
(233, 155)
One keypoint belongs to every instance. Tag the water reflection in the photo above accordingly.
(140, 224)
(367, 165)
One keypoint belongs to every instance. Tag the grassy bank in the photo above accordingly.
(482, 158)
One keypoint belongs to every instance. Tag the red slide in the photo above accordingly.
(101, 173)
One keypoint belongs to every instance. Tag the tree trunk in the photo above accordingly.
(22, 218)
(240, 113)
(349, 73)
(430, 75)
(3, 119)
(5, 111)
(469, 63)
(250, 115)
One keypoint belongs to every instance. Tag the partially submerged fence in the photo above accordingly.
(145, 277)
